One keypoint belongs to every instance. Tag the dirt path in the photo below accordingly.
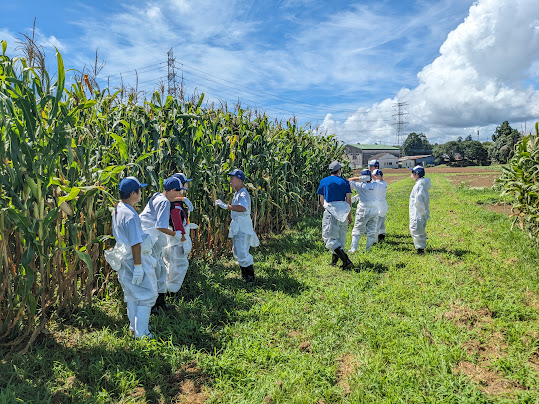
(471, 176)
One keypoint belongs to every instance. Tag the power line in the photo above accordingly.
(135, 71)
(236, 99)
(257, 92)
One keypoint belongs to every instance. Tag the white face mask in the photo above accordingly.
(364, 178)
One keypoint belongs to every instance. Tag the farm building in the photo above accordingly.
(360, 154)
(412, 161)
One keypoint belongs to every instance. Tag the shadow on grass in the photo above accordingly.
(457, 252)
(95, 370)
(362, 264)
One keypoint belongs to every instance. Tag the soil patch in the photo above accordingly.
(464, 316)
(191, 382)
(347, 365)
(504, 209)
(487, 348)
(489, 381)
(482, 180)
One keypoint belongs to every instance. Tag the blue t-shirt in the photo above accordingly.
(334, 188)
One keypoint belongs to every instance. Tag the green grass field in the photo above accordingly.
(458, 324)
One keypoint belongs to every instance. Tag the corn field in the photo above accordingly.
(520, 180)
(63, 151)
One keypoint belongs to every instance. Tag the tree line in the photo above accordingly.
(466, 151)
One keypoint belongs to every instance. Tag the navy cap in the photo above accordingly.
(130, 184)
(366, 172)
(374, 163)
(237, 173)
(335, 166)
(419, 170)
(183, 178)
(377, 172)
(172, 183)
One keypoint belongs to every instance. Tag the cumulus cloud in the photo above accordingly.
(478, 79)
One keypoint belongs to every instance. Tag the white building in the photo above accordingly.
(360, 154)
(386, 160)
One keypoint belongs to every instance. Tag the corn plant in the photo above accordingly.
(63, 151)
(521, 182)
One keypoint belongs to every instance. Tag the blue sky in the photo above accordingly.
(460, 66)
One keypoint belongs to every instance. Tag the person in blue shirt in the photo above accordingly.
(335, 197)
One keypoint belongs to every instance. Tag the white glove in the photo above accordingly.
(138, 274)
(221, 204)
(189, 204)
(355, 198)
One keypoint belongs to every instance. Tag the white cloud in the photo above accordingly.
(477, 79)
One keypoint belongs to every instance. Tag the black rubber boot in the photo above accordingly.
(381, 237)
(160, 304)
(334, 260)
(243, 272)
(346, 263)
(249, 274)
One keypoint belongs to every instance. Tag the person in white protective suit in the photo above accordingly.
(241, 229)
(155, 221)
(335, 197)
(176, 252)
(419, 208)
(378, 177)
(374, 165)
(366, 220)
(131, 258)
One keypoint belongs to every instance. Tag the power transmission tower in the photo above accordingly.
(172, 86)
(400, 123)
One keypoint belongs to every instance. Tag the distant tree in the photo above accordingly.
(474, 151)
(416, 144)
(468, 138)
(504, 139)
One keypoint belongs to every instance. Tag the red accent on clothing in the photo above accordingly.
(176, 216)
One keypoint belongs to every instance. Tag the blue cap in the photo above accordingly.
(366, 172)
(377, 172)
(419, 170)
(172, 183)
(237, 173)
(374, 163)
(130, 184)
(183, 178)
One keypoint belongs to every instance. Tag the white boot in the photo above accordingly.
(132, 314)
(141, 322)
(355, 244)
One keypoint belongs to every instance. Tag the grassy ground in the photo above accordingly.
(458, 324)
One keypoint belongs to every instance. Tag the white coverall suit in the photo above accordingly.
(176, 252)
(382, 206)
(241, 229)
(419, 210)
(366, 220)
(127, 232)
(335, 224)
(156, 215)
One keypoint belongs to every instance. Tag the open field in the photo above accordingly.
(458, 324)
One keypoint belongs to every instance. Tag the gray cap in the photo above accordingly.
(335, 166)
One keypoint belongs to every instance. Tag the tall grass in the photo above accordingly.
(63, 151)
